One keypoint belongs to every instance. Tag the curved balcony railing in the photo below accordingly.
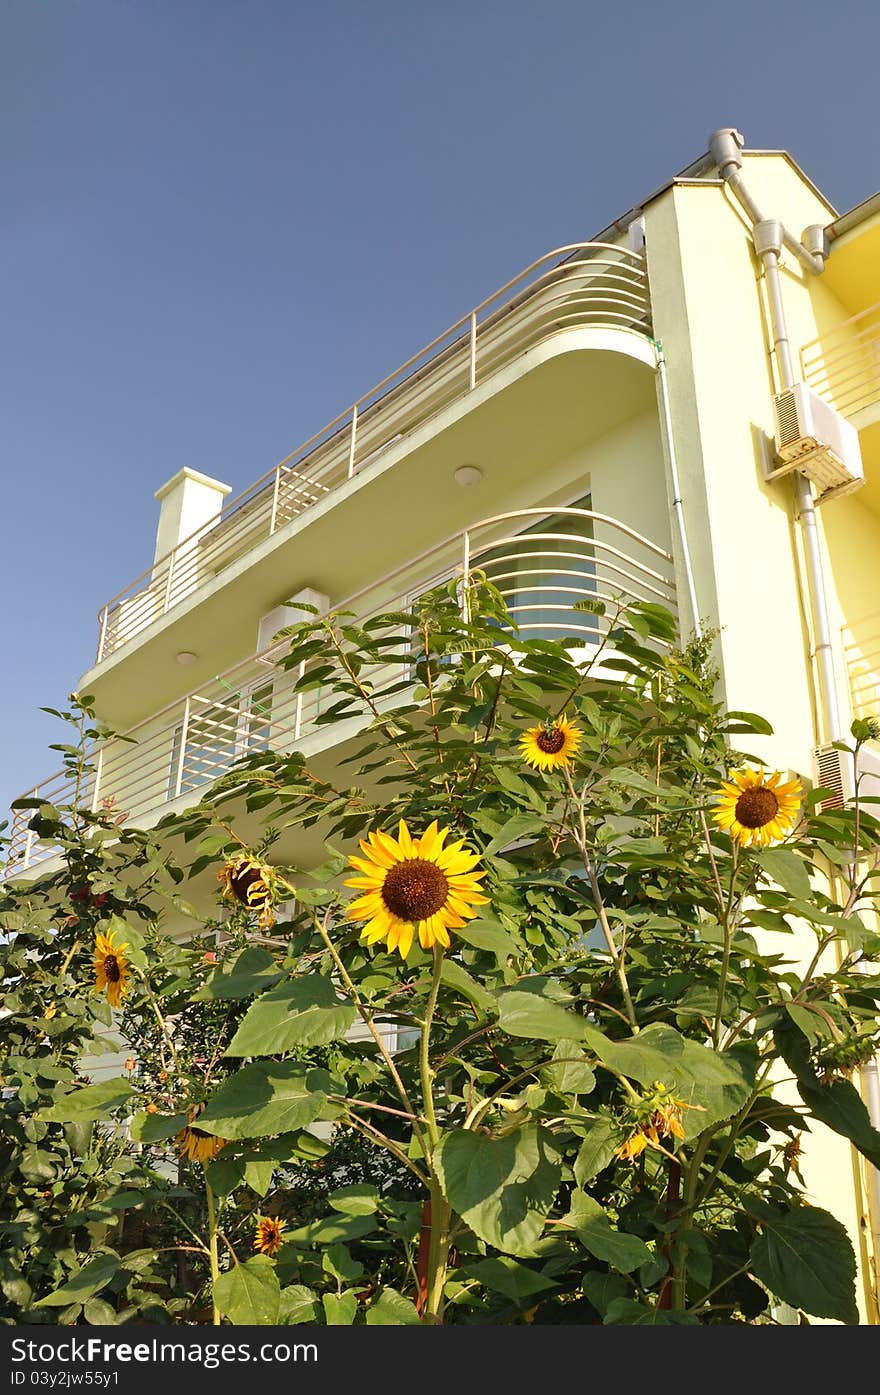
(843, 366)
(861, 653)
(542, 565)
(594, 284)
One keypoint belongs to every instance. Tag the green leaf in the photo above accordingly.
(249, 1294)
(258, 1176)
(505, 1275)
(330, 1230)
(337, 1260)
(650, 1056)
(153, 1128)
(268, 1097)
(502, 1187)
(597, 1150)
(298, 1304)
(523, 1014)
(360, 1199)
(99, 1313)
(340, 1309)
(489, 935)
(627, 1311)
(597, 1234)
(804, 1257)
(513, 831)
(85, 1105)
(787, 869)
(304, 1012)
(251, 971)
(715, 1084)
(83, 1284)
(573, 1075)
(391, 1309)
(224, 1175)
(841, 1107)
(457, 978)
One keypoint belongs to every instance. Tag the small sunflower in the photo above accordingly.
(414, 882)
(551, 745)
(253, 884)
(659, 1115)
(194, 1143)
(111, 968)
(757, 809)
(269, 1234)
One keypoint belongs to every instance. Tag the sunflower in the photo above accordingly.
(252, 883)
(550, 746)
(757, 809)
(414, 882)
(111, 968)
(660, 1115)
(269, 1234)
(194, 1143)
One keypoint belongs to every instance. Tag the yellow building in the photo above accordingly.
(686, 409)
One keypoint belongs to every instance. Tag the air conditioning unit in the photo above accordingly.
(816, 440)
(834, 771)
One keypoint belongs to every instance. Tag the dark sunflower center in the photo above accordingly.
(112, 971)
(199, 1133)
(550, 740)
(756, 807)
(242, 881)
(415, 889)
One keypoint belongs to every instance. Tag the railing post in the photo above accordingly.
(102, 638)
(166, 605)
(351, 449)
(297, 721)
(98, 772)
(473, 363)
(184, 734)
(273, 520)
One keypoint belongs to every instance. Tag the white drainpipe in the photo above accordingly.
(770, 236)
(663, 393)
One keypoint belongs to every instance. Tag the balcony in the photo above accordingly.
(843, 366)
(543, 563)
(861, 652)
(597, 288)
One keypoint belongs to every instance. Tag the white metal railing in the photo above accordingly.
(542, 575)
(861, 652)
(843, 366)
(589, 284)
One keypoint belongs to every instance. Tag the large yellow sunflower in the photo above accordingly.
(551, 745)
(252, 883)
(757, 809)
(414, 882)
(194, 1143)
(111, 969)
(269, 1234)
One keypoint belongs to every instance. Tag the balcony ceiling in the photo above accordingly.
(560, 396)
(852, 271)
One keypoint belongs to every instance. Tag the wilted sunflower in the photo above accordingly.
(757, 809)
(194, 1143)
(660, 1115)
(551, 745)
(111, 968)
(414, 882)
(269, 1234)
(252, 883)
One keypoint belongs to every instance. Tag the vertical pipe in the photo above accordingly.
(473, 362)
(273, 517)
(102, 638)
(297, 722)
(184, 735)
(465, 577)
(99, 768)
(351, 449)
(172, 557)
(677, 508)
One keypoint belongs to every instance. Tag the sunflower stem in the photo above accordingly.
(212, 1251)
(729, 927)
(440, 1211)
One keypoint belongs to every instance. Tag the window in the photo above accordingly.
(543, 571)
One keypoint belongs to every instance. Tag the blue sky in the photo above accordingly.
(223, 220)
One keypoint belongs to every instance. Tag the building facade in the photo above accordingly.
(685, 410)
